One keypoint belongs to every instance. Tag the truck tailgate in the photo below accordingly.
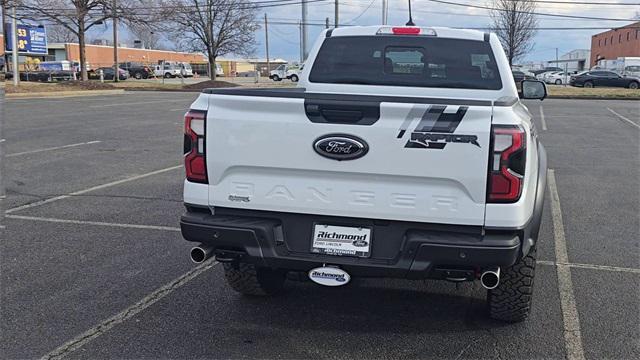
(426, 160)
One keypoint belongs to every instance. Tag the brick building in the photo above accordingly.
(98, 55)
(620, 42)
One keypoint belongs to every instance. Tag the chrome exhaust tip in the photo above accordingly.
(200, 253)
(490, 278)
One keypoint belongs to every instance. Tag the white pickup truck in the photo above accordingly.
(404, 152)
(286, 72)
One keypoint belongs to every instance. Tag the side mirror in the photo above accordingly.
(533, 89)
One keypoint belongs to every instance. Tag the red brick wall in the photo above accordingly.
(616, 43)
(98, 56)
(1, 45)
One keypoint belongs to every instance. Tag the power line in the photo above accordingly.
(580, 2)
(530, 12)
(362, 13)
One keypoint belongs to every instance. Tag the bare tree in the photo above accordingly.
(515, 24)
(77, 16)
(145, 33)
(215, 27)
(60, 34)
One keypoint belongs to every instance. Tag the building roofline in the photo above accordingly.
(54, 45)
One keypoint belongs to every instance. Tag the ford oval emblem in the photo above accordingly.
(340, 147)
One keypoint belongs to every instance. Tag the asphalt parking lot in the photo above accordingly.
(93, 264)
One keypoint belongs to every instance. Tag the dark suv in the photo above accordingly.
(137, 70)
(604, 78)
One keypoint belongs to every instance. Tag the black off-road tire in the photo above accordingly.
(248, 279)
(511, 300)
(294, 78)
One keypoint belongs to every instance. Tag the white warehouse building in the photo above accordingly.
(574, 60)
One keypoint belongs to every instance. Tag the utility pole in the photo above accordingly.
(14, 47)
(266, 42)
(301, 51)
(326, 23)
(557, 57)
(116, 70)
(4, 30)
(336, 14)
(385, 11)
(305, 30)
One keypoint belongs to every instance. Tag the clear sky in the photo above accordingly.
(284, 39)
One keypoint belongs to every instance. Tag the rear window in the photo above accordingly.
(406, 61)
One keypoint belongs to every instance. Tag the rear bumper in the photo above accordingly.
(399, 249)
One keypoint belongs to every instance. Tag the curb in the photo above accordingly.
(62, 94)
(163, 90)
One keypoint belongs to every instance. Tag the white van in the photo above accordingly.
(173, 69)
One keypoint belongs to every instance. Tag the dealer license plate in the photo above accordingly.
(341, 240)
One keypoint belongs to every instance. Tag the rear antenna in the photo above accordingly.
(410, 22)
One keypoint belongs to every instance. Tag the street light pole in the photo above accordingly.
(336, 14)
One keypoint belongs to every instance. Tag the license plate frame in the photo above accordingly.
(355, 240)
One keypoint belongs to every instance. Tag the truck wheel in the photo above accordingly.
(167, 75)
(588, 84)
(276, 78)
(511, 300)
(294, 78)
(247, 279)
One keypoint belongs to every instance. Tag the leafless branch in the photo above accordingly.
(515, 24)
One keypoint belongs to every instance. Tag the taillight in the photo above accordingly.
(194, 146)
(507, 163)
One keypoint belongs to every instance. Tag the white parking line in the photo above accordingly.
(591, 266)
(623, 118)
(54, 148)
(101, 328)
(572, 333)
(80, 192)
(95, 223)
(542, 120)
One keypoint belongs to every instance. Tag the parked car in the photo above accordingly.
(548, 69)
(44, 76)
(186, 70)
(171, 69)
(247, 74)
(387, 160)
(137, 70)
(518, 76)
(558, 78)
(595, 78)
(167, 70)
(108, 73)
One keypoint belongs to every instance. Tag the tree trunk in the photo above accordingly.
(81, 48)
(212, 67)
